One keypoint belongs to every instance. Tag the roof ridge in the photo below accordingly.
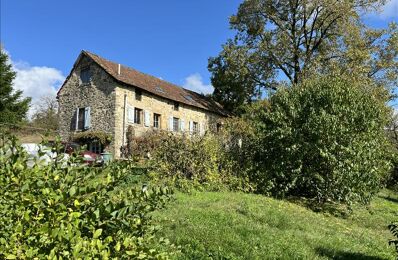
(146, 74)
(149, 83)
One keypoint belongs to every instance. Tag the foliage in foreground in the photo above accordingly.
(394, 230)
(65, 212)
(323, 139)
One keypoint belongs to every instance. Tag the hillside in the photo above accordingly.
(245, 226)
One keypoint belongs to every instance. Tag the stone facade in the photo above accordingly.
(98, 94)
(110, 103)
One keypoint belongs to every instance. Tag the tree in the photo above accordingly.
(281, 42)
(13, 108)
(46, 114)
(323, 139)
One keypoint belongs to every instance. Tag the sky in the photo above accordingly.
(170, 39)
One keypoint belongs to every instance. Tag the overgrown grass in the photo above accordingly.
(227, 225)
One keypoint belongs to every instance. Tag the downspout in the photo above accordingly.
(124, 121)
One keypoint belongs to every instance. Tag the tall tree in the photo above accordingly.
(13, 108)
(283, 41)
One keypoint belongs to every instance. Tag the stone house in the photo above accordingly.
(100, 95)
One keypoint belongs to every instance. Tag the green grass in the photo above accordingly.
(229, 225)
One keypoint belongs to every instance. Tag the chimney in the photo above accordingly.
(118, 69)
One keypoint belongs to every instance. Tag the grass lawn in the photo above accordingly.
(229, 225)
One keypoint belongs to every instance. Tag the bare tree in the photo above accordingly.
(46, 114)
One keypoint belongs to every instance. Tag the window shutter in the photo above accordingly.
(171, 123)
(87, 118)
(130, 114)
(202, 128)
(191, 127)
(77, 119)
(182, 125)
(147, 118)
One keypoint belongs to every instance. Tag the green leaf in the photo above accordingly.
(11, 257)
(72, 191)
(117, 247)
(97, 233)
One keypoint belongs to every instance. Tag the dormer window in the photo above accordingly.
(85, 75)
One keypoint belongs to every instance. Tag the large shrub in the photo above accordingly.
(199, 161)
(323, 139)
(65, 211)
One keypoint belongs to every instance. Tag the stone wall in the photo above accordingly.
(158, 105)
(99, 95)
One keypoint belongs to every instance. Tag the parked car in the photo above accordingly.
(89, 157)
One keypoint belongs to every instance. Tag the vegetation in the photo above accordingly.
(13, 108)
(46, 113)
(230, 225)
(88, 136)
(284, 42)
(65, 211)
(394, 230)
(323, 139)
(199, 161)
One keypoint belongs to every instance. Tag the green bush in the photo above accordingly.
(323, 139)
(61, 212)
(197, 161)
(140, 147)
(394, 231)
(392, 180)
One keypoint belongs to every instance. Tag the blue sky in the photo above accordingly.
(169, 39)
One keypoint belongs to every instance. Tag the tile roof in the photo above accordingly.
(156, 86)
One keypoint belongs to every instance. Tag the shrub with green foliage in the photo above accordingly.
(61, 212)
(323, 139)
(138, 147)
(197, 161)
(89, 136)
(394, 231)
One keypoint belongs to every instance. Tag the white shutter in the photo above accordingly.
(147, 118)
(77, 119)
(202, 128)
(182, 125)
(171, 123)
(130, 114)
(191, 127)
(87, 118)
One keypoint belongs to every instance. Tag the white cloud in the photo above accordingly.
(35, 81)
(195, 82)
(389, 10)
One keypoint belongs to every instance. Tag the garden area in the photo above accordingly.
(301, 164)
(287, 179)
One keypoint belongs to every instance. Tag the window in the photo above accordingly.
(83, 120)
(176, 122)
(195, 127)
(138, 94)
(189, 98)
(156, 120)
(160, 90)
(95, 147)
(176, 106)
(219, 127)
(137, 115)
(80, 120)
(85, 75)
